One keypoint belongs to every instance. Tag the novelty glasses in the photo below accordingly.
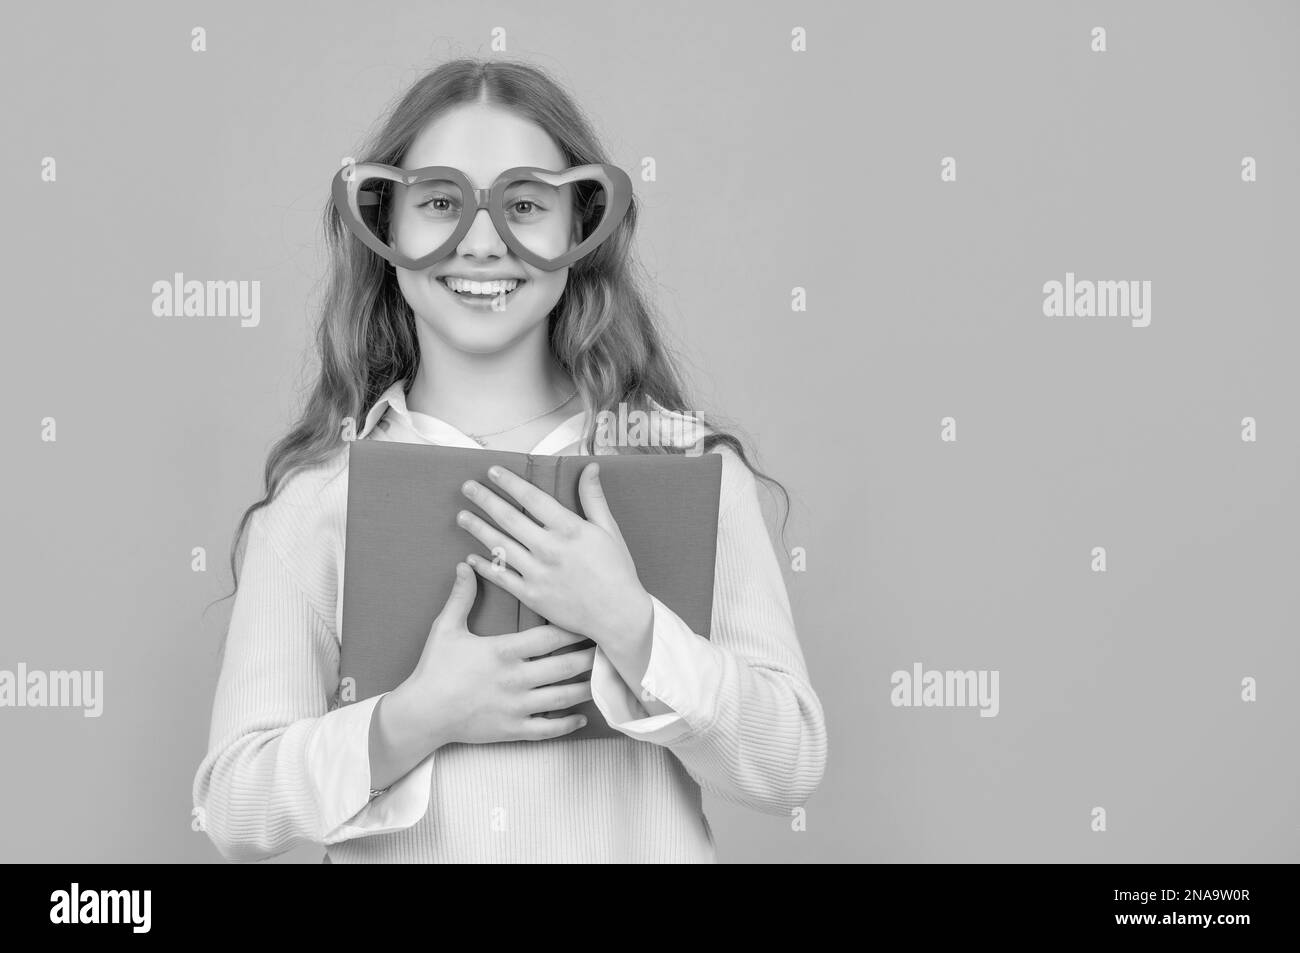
(427, 212)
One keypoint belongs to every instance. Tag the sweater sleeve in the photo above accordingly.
(282, 769)
(745, 721)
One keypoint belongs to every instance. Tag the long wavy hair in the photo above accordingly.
(601, 330)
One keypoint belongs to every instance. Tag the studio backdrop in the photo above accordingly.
(1004, 293)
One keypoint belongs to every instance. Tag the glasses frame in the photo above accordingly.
(349, 198)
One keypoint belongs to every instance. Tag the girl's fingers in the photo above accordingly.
(556, 668)
(557, 697)
(503, 576)
(503, 514)
(540, 728)
(497, 542)
(594, 504)
(456, 609)
(540, 640)
(547, 510)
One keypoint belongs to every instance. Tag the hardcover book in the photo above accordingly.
(403, 544)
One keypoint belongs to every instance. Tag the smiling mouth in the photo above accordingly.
(499, 289)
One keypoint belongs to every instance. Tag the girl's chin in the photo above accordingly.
(480, 334)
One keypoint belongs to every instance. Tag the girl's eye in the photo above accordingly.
(531, 206)
(439, 204)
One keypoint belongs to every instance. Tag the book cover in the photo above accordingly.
(403, 544)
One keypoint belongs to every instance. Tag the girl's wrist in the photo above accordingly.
(411, 732)
(629, 651)
(629, 633)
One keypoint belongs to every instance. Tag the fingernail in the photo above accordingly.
(582, 720)
(494, 472)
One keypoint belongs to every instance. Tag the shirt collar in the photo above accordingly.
(434, 430)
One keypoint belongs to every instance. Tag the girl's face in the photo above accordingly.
(482, 141)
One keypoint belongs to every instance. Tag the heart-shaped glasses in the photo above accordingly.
(429, 211)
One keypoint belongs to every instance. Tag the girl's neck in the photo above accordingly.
(482, 393)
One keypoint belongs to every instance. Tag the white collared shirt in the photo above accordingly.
(397, 422)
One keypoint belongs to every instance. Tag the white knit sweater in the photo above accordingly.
(283, 769)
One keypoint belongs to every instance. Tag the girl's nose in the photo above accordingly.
(482, 239)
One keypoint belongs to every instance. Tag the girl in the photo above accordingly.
(455, 765)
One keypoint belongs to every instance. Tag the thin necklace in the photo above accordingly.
(478, 437)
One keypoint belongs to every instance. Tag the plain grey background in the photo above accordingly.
(776, 169)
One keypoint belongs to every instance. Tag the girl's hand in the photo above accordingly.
(480, 689)
(575, 572)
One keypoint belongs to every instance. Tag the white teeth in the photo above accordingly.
(493, 288)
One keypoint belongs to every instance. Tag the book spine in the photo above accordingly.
(526, 617)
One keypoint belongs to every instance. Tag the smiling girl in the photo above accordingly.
(509, 324)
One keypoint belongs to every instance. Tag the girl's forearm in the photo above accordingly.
(397, 742)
